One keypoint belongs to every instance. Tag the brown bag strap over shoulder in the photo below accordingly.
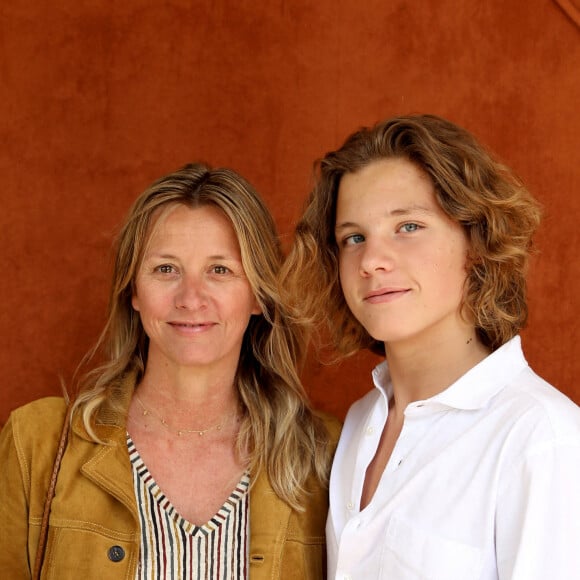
(50, 494)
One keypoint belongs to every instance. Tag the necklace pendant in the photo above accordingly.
(200, 433)
(179, 433)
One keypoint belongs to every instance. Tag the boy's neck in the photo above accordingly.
(420, 372)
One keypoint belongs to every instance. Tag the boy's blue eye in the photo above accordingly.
(409, 227)
(354, 239)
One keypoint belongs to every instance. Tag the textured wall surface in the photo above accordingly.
(97, 99)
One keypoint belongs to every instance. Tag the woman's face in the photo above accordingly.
(192, 293)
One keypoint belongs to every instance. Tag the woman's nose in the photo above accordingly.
(191, 294)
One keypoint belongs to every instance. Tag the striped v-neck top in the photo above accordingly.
(173, 548)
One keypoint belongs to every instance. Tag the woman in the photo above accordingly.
(462, 463)
(197, 402)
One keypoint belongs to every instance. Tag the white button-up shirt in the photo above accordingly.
(483, 482)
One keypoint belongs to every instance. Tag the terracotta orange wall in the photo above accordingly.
(98, 99)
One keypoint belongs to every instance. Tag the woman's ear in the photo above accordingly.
(257, 308)
(135, 302)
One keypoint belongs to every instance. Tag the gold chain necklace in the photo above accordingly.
(180, 432)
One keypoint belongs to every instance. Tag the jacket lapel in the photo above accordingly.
(110, 468)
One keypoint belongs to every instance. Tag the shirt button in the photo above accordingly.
(116, 553)
(349, 505)
(370, 430)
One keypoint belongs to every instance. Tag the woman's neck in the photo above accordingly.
(196, 395)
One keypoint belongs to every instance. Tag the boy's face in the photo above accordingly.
(402, 260)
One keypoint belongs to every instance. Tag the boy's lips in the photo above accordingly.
(385, 294)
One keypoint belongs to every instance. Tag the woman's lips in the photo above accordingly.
(192, 327)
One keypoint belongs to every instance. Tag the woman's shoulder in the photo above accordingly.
(38, 419)
(332, 424)
(47, 409)
(29, 439)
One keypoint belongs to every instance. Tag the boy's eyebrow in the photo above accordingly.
(344, 226)
(403, 211)
(411, 209)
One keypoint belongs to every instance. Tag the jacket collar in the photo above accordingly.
(109, 466)
(110, 469)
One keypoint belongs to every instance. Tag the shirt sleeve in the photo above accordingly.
(538, 515)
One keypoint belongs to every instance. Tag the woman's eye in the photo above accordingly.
(165, 269)
(220, 270)
(410, 227)
(353, 239)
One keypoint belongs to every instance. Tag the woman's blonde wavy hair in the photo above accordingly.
(279, 430)
(495, 210)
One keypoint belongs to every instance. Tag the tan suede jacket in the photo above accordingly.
(94, 531)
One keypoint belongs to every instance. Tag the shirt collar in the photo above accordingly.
(477, 386)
